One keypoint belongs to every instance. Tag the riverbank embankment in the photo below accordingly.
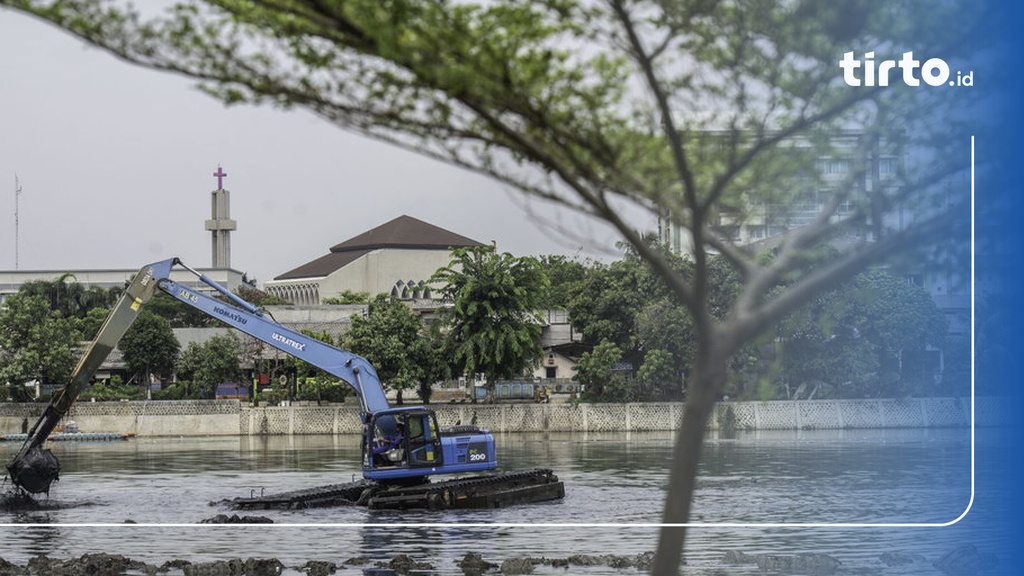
(234, 418)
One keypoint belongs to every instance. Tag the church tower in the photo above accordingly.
(220, 224)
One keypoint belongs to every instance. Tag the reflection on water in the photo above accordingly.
(915, 476)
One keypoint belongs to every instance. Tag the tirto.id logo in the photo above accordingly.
(934, 71)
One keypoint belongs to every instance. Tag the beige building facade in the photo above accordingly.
(397, 258)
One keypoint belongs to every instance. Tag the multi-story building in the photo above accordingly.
(804, 180)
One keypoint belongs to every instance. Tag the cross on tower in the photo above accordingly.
(220, 174)
(220, 223)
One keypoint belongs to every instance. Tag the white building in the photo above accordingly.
(11, 280)
(397, 258)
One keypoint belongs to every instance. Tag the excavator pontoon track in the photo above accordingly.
(484, 491)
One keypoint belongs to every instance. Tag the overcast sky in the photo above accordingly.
(116, 167)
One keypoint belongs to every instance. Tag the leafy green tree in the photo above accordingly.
(348, 297)
(696, 110)
(626, 303)
(659, 376)
(114, 389)
(258, 297)
(856, 338)
(322, 388)
(956, 368)
(836, 361)
(623, 302)
(189, 369)
(90, 324)
(181, 315)
(69, 298)
(210, 363)
(149, 347)
(495, 322)
(35, 342)
(565, 277)
(177, 313)
(434, 358)
(390, 337)
(901, 320)
(310, 382)
(87, 307)
(602, 382)
(605, 306)
(665, 327)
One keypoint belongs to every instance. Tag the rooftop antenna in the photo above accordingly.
(17, 194)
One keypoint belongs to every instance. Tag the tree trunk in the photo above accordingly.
(709, 376)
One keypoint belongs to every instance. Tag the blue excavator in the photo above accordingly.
(402, 447)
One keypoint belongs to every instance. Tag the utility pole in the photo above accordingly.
(17, 194)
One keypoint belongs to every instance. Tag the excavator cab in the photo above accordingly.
(404, 443)
(407, 443)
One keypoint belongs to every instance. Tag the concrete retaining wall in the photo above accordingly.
(229, 417)
(164, 418)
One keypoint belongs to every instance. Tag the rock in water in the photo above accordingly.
(236, 519)
(965, 560)
(517, 566)
(473, 564)
(810, 564)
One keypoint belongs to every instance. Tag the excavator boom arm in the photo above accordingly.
(34, 469)
(353, 369)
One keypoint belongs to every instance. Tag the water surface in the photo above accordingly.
(915, 476)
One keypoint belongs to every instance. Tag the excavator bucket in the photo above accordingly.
(35, 470)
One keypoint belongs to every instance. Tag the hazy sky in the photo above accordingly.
(116, 166)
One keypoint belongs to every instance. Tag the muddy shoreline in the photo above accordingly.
(471, 564)
(961, 561)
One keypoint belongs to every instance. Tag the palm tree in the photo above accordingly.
(495, 325)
